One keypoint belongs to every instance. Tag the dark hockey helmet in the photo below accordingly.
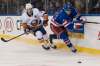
(67, 6)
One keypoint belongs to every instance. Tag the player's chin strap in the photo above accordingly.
(7, 40)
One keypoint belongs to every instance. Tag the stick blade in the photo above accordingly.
(4, 40)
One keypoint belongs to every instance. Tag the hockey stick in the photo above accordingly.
(84, 20)
(91, 22)
(7, 40)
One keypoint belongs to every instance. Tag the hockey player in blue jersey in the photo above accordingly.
(61, 23)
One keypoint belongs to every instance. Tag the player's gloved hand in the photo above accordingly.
(26, 28)
(45, 23)
(26, 31)
(81, 19)
(45, 19)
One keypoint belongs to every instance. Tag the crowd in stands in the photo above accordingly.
(15, 7)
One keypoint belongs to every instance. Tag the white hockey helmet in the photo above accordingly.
(28, 6)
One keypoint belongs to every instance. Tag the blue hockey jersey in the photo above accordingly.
(61, 15)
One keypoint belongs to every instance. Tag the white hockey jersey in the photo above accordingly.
(36, 15)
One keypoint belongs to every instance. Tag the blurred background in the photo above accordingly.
(15, 7)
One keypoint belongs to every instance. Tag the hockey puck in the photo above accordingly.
(79, 62)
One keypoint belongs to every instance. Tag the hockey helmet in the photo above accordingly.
(67, 6)
(28, 6)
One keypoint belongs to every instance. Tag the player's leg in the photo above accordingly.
(65, 38)
(39, 36)
(51, 37)
(46, 39)
(56, 30)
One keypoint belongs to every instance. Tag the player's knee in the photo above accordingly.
(39, 35)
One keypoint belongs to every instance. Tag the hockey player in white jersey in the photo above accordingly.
(35, 20)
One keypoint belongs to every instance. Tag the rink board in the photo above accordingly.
(60, 44)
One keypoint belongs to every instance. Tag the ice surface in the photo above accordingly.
(18, 53)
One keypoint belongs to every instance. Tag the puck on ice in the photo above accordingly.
(79, 62)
